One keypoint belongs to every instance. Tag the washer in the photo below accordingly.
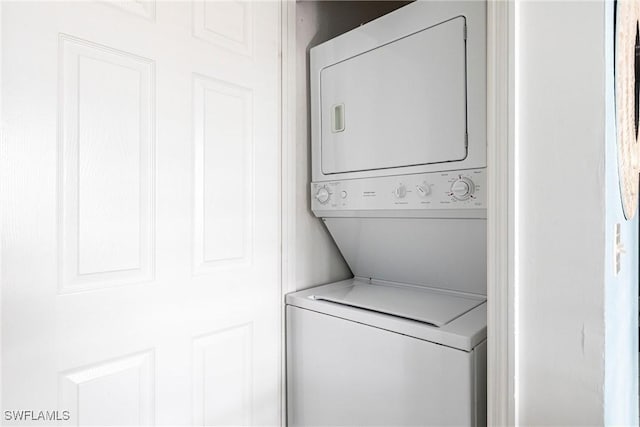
(361, 353)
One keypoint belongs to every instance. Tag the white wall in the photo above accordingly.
(577, 322)
(560, 213)
(318, 261)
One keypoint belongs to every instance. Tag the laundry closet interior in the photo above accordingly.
(390, 215)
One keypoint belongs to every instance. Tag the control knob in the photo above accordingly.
(462, 189)
(322, 195)
(423, 190)
(400, 191)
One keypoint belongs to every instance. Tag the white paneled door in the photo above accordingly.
(140, 207)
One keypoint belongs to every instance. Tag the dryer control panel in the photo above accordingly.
(460, 189)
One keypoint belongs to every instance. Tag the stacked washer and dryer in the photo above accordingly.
(398, 157)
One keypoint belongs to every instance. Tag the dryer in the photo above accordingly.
(398, 178)
(403, 94)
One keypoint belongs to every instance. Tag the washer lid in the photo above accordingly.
(430, 306)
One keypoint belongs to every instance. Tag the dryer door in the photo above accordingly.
(400, 104)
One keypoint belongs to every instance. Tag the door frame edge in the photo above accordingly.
(501, 231)
(287, 176)
(2, 201)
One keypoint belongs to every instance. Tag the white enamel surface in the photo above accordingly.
(464, 332)
(439, 253)
(424, 305)
(386, 130)
(342, 372)
(140, 264)
(403, 103)
(421, 192)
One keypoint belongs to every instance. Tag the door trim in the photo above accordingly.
(501, 205)
(3, 204)
(288, 177)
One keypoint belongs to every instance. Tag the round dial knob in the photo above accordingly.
(423, 190)
(462, 189)
(400, 191)
(322, 195)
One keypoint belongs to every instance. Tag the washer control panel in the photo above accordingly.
(436, 190)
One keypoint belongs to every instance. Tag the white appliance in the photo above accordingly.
(398, 157)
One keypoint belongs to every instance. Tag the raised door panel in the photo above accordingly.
(223, 377)
(223, 174)
(228, 24)
(106, 166)
(142, 8)
(116, 392)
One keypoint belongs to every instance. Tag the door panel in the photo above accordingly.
(224, 374)
(223, 164)
(140, 269)
(106, 165)
(127, 380)
(403, 103)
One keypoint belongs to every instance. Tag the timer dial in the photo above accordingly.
(462, 189)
